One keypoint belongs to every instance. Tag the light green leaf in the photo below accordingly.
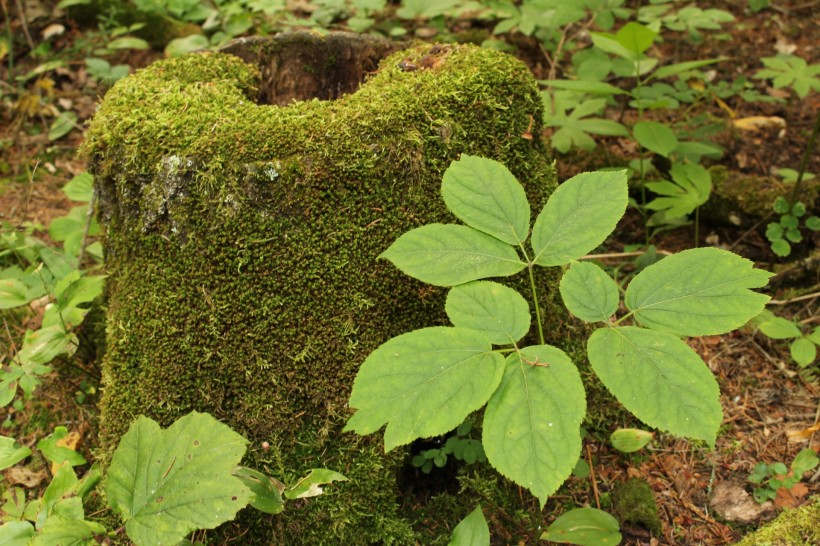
(690, 188)
(485, 195)
(128, 42)
(629, 440)
(659, 378)
(181, 46)
(586, 527)
(59, 454)
(310, 485)
(13, 293)
(697, 292)
(655, 137)
(588, 292)
(70, 229)
(16, 533)
(803, 351)
(679, 68)
(267, 490)
(448, 254)
(168, 483)
(495, 310)
(584, 86)
(11, 453)
(43, 345)
(423, 383)
(779, 328)
(635, 37)
(814, 336)
(472, 530)
(532, 422)
(579, 216)
(62, 125)
(60, 530)
(80, 188)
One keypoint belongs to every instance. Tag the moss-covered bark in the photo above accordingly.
(798, 527)
(242, 242)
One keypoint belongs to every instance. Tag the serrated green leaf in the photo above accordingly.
(781, 205)
(16, 533)
(779, 328)
(423, 383)
(697, 292)
(310, 485)
(80, 188)
(655, 137)
(485, 195)
(267, 490)
(448, 254)
(586, 527)
(495, 310)
(588, 292)
(64, 531)
(532, 422)
(62, 125)
(579, 216)
(166, 483)
(11, 453)
(659, 378)
(803, 351)
(629, 440)
(472, 530)
(690, 188)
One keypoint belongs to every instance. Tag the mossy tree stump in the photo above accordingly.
(243, 219)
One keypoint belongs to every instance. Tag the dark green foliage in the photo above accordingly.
(634, 502)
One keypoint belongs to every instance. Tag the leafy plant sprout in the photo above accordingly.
(424, 383)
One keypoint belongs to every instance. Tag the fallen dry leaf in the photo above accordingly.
(802, 435)
(69, 441)
(21, 475)
(791, 498)
(758, 123)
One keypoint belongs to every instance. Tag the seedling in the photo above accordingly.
(772, 477)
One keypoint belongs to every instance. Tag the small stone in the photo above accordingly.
(733, 503)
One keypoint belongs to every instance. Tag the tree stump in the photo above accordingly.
(245, 197)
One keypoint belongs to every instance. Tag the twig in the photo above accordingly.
(23, 22)
(592, 477)
(795, 299)
(613, 255)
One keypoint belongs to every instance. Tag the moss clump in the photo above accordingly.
(633, 502)
(241, 246)
(798, 527)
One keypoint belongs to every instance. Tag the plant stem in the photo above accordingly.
(535, 303)
(805, 161)
(697, 227)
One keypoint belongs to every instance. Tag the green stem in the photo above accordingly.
(805, 161)
(623, 318)
(535, 303)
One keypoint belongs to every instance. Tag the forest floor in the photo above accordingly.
(771, 410)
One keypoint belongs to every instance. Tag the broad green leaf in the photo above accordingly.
(62, 125)
(43, 345)
(584, 86)
(635, 37)
(423, 383)
(13, 293)
(697, 292)
(679, 68)
(804, 461)
(655, 137)
(58, 454)
(588, 292)
(629, 440)
(80, 188)
(803, 351)
(70, 229)
(11, 453)
(310, 485)
(64, 531)
(495, 310)
(16, 533)
(63, 488)
(814, 336)
(448, 254)
(166, 483)
(267, 490)
(485, 195)
(128, 42)
(181, 46)
(586, 527)
(532, 422)
(578, 216)
(779, 328)
(472, 530)
(8, 388)
(659, 378)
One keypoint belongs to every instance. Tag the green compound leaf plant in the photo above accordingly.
(426, 382)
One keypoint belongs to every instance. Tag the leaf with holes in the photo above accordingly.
(166, 483)
(532, 422)
(659, 378)
(423, 383)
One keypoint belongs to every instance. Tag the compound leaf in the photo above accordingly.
(659, 378)
(588, 292)
(697, 292)
(532, 422)
(584, 526)
(423, 383)
(472, 530)
(166, 483)
(449, 254)
(578, 216)
(499, 312)
(485, 195)
(690, 188)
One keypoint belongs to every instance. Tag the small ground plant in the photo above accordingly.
(426, 382)
(771, 477)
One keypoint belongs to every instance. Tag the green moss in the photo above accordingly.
(634, 502)
(798, 527)
(241, 246)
